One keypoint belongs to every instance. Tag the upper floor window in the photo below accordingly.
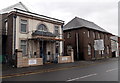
(56, 30)
(88, 33)
(93, 34)
(69, 35)
(24, 26)
(99, 35)
(42, 27)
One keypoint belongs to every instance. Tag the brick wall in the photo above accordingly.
(84, 40)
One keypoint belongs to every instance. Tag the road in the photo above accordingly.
(106, 71)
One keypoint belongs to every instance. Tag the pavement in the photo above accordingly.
(99, 70)
(10, 71)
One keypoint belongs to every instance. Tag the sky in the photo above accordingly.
(104, 13)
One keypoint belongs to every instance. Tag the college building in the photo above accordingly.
(29, 38)
(88, 40)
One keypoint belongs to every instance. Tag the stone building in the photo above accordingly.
(37, 35)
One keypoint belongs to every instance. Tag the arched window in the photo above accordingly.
(42, 27)
(89, 49)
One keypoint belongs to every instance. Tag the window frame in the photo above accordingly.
(42, 28)
(21, 26)
(94, 35)
(98, 35)
(58, 33)
(23, 45)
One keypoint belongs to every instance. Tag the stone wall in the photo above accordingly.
(25, 61)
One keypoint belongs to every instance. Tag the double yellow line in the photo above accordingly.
(44, 71)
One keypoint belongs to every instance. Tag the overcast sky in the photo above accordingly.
(102, 12)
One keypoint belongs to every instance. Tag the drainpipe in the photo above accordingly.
(14, 35)
(77, 46)
(62, 41)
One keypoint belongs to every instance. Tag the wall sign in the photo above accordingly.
(32, 61)
(64, 58)
(99, 44)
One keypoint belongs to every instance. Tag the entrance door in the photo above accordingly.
(43, 51)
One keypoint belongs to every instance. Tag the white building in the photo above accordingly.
(37, 35)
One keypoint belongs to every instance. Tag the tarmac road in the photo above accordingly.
(106, 71)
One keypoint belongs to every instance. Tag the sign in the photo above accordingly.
(32, 61)
(99, 44)
(64, 58)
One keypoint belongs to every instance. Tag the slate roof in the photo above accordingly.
(79, 23)
(19, 5)
(42, 33)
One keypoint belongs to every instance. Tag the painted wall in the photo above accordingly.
(32, 26)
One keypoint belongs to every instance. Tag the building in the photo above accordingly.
(114, 46)
(88, 40)
(34, 38)
(119, 45)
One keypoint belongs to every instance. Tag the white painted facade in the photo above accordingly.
(34, 45)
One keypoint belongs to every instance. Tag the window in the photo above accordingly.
(93, 34)
(89, 50)
(24, 47)
(56, 30)
(99, 35)
(88, 33)
(42, 27)
(23, 26)
(6, 26)
(69, 35)
(107, 49)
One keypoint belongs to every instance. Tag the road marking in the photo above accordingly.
(82, 77)
(112, 70)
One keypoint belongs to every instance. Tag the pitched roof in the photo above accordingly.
(19, 5)
(79, 23)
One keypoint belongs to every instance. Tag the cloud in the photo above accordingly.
(101, 12)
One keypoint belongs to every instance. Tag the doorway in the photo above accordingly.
(43, 51)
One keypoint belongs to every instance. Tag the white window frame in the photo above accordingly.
(56, 28)
(22, 45)
(42, 28)
(25, 24)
